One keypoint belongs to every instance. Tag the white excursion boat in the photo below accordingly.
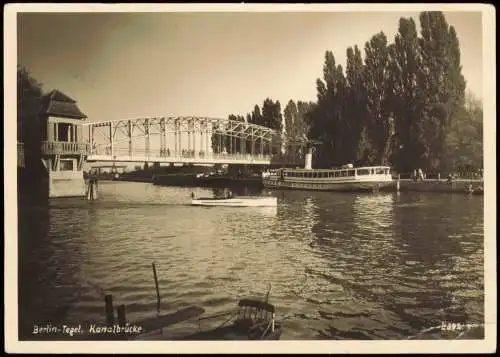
(241, 201)
(347, 178)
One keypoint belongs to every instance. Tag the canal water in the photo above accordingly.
(340, 265)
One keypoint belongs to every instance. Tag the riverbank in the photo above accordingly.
(208, 177)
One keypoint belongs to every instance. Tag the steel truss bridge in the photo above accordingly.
(195, 140)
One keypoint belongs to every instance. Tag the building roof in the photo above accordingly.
(59, 104)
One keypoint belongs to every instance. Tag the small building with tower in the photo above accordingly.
(63, 149)
(53, 150)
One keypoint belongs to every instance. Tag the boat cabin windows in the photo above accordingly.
(321, 174)
(373, 171)
(361, 172)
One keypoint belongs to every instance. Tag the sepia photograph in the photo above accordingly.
(320, 177)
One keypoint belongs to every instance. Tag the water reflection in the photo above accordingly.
(33, 228)
(433, 263)
(342, 266)
(58, 261)
(394, 267)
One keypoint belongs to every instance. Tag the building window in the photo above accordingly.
(66, 165)
(65, 132)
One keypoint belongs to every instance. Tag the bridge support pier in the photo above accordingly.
(63, 176)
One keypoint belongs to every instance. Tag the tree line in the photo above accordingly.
(404, 104)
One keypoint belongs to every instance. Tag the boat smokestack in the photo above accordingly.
(308, 161)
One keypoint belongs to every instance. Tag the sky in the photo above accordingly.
(129, 65)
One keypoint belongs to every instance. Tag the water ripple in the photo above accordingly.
(342, 266)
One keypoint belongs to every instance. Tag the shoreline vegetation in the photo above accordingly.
(403, 104)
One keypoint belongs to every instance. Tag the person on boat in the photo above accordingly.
(420, 174)
(229, 194)
(192, 195)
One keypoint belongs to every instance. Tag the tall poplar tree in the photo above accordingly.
(404, 95)
(290, 114)
(355, 104)
(376, 77)
(441, 80)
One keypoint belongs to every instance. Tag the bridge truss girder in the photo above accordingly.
(171, 131)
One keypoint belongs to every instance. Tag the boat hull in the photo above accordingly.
(237, 202)
(355, 186)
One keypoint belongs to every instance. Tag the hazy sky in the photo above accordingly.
(127, 65)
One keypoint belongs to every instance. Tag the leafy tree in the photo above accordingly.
(290, 114)
(376, 81)
(297, 126)
(271, 115)
(464, 139)
(272, 118)
(302, 122)
(29, 99)
(328, 124)
(219, 138)
(403, 105)
(404, 95)
(356, 105)
(441, 80)
(254, 118)
(29, 126)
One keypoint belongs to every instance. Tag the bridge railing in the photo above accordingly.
(167, 155)
(61, 147)
(171, 154)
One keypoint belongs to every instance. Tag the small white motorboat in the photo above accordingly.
(241, 201)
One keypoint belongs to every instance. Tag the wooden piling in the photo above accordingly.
(92, 189)
(122, 320)
(158, 300)
(110, 315)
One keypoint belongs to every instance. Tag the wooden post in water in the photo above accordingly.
(88, 189)
(110, 314)
(158, 300)
(121, 315)
(92, 189)
(95, 189)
